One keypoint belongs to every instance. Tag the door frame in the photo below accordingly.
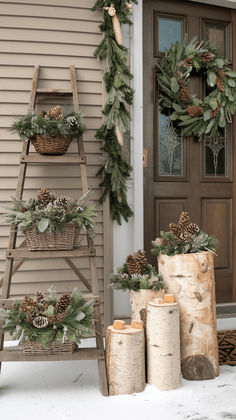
(137, 115)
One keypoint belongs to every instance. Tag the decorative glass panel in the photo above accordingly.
(216, 155)
(170, 153)
(169, 31)
(215, 34)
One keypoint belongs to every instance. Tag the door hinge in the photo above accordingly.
(145, 158)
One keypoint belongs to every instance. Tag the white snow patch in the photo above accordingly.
(70, 391)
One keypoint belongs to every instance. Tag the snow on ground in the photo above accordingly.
(70, 391)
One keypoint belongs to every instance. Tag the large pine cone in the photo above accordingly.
(184, 228)
(141, 260)
(45, 197)
(220, 84)
(207, 56)
(55, 113)
(194, 110)
(184, 94)
(62, 303)
(60, 317)
(133, 265)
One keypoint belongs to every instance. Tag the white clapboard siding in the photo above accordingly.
(54, 34)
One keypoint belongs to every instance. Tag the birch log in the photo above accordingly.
(163, 345)
(190, 277)
(125, 359)
(139, 300)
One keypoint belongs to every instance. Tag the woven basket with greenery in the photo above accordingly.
(50, 222)
(50, 132)
(51, 145)
(65, 239)
(48, 324)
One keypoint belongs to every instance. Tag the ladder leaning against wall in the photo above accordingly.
(21, 253)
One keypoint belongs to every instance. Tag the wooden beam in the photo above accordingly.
(78, 273)
(25, 253)
(16, 354)
(65, 159)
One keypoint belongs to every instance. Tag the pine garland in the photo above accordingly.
(116, 171)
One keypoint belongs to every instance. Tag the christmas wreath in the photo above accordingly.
(196, 116)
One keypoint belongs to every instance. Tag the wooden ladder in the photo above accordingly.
(21, 253)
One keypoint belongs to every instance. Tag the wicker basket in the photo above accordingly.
(65, 239)
(51, 145)
(33, 348)
(227, 347)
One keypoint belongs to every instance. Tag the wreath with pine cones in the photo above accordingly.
(195, 116)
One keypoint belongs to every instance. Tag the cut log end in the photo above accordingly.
(197, 368)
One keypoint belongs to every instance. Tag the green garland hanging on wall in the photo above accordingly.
(116, 170)
(195, 116)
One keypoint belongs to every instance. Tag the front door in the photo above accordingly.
(182, 174)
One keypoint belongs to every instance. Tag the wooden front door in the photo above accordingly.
(181, 173)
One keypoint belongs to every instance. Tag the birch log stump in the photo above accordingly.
(163, 345)
(139, 300)
(125, 359)
(190, 277)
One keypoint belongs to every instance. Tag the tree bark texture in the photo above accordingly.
(139, 300)
(190, 277)
(125, 359)
(163, 345)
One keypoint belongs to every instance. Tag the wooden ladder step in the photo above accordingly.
(64, 159)
(15, 354)
(25, 253)
(57, 91)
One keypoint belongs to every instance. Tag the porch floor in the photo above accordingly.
(70, 390)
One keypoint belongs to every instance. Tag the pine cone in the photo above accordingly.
(133, 265)
(28, 304)
(184, 94)
(220, 84)
(184, 228)
(187, 62)
(51, 320)
(60, 317)
(141, 260)
(207, 56)
(55, 113)
(45, 197)
(194, 110)
(40, 322)
(62, 303)
(61, 202)
(221, 73)
(215, 112)
(43, 113)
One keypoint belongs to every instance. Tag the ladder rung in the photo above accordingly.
(9, 303)
(15, 354)
(64, 159)
(25, 253)
(57, 91)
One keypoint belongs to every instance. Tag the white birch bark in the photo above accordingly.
(163, 345)
(190, 277)
(125, 359)
(139, 300)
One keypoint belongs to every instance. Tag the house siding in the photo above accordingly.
(54, 34)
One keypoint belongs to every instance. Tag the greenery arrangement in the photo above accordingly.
(116, 170)
(48, 212)
(50, 124)
(136, 274)
(183, 238)
(197, 116)
(45, 319)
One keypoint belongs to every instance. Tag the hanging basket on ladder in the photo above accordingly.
(65, 239)
(51, 145)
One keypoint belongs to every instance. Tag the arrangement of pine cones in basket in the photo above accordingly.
(39, 313)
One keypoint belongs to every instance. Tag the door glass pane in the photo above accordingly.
(215, 34)
(216, 155)
(170, 153)
(169, 31)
